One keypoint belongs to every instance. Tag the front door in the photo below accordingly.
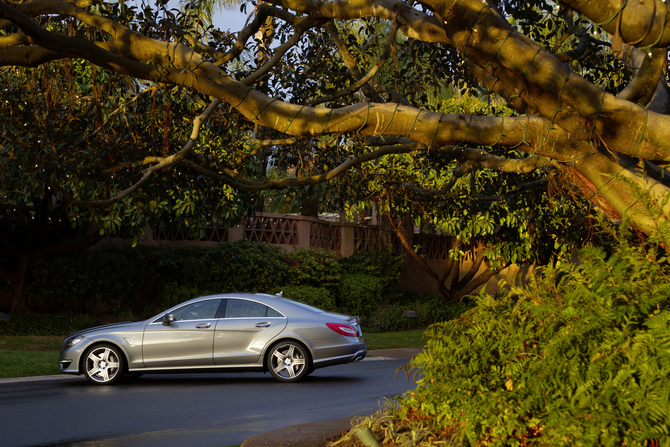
(188, 341)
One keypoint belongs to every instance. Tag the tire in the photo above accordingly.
(288, 361)
(104, 364)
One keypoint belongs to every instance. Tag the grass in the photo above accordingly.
(29, 355)
(30, 343)
(28, 363)
(391, 340)
(34, 355)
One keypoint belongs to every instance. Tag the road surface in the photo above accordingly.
(206, 410)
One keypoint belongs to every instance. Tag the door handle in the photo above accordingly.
(203, 325)
(266, 324)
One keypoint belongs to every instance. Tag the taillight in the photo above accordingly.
(343, 329)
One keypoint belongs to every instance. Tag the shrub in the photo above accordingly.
(104, 275)
(431, 307)
(174, 293)
(383, 265)
(317, 296)
(389, 319)
(240, 266)
(360, 294)
(313, 268)
(581, 357)
(45, 324)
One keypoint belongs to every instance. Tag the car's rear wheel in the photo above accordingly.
(288, 361)
(103, 364)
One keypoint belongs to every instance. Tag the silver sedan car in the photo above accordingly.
(225, 332)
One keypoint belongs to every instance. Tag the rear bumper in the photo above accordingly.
(339, 360)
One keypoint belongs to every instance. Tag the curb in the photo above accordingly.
(38, 378)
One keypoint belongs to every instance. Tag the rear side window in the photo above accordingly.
(249, 309)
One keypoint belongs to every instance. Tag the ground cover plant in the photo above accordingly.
(580, 357)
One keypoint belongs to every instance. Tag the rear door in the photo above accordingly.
(247, 327)
(188, 341)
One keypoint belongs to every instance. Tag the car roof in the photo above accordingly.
(250, 295)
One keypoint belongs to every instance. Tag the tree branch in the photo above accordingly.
(364, 79)
(162, 163)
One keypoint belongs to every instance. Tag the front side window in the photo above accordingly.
(249, 309)
(203, 310)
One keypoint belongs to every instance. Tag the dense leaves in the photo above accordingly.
(144, 279)
(579, 358)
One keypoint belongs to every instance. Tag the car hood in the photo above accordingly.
(125, 326)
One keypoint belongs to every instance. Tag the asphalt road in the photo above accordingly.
(188, 409)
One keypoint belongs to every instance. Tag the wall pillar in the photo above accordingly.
(235, 233)
(304, 233)
(347, 247)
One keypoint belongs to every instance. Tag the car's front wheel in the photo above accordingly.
(288, 361)
(103, 364)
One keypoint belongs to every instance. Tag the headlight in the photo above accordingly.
(74, 341)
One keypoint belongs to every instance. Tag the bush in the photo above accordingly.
(174, 293)
(106, 276)
(581, 357)
(360, 294)
(241, 266)
(382, 265)
(45, 324)
(124, 277)
(389, 319)
(317, 296)
(313, 268)
(431, 307)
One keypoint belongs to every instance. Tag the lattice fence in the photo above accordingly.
(438, 246)
(212, 234)
(365, 238)
(371, 238)
(273, 230)
(325, 236)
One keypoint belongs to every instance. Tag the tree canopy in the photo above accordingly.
(327, 87)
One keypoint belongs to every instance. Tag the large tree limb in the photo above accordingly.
(640, 21)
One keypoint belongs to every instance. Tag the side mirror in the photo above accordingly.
(167, 319)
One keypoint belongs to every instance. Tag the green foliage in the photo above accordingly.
(45, 324)
(138, 280)
(136, 277)
(174, 293)
(581, 357)
(430, 307)
(106, 276)
(313, 268)
(241, 266)
(360, 294)
(317, 296)
(383, 265)
(390, 318)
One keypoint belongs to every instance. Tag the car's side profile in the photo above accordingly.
(225, 333)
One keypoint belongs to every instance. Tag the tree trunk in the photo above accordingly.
(19, 286)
